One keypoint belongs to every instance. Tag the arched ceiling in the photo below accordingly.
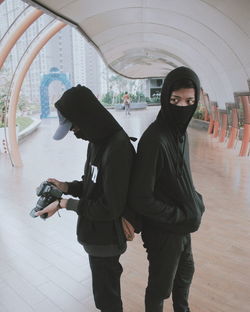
(148, 38)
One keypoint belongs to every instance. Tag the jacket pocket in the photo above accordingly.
(193, 210)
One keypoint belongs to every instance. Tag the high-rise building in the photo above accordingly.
(79, 57)
(68, 51)
(9, 12)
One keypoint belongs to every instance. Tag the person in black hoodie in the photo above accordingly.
(102, 192)
(162, 192)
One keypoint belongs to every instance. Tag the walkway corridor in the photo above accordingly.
(43, 268)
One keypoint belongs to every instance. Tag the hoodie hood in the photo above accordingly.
(80, 106)
(177, 117)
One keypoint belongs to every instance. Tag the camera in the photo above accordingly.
(48, 193)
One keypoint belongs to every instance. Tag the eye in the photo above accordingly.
(191, 102)
(174, 101)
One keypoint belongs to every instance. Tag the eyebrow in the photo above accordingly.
(179, 97)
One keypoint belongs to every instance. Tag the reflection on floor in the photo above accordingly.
(43, 268)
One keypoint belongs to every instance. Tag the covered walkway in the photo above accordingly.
(149, 38)
(43, 268)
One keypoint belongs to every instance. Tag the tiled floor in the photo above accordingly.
(43, 268)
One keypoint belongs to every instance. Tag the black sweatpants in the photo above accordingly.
(171, 267)
(106, 273)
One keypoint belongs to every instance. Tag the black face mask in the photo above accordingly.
(181, 116)
(80, 135)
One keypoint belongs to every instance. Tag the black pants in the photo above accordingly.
(171, 267)
(106, 273)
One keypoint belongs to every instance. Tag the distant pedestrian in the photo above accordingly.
(126, 102)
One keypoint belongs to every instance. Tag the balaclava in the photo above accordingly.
(178, 117)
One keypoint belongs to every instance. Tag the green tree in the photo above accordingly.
(120, 84)
(4, 87)
(107, 98)
(23, 103)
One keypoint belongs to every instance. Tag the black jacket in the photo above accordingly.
(104, 185)
(162, 189)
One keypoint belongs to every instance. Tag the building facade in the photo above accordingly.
(68, 51)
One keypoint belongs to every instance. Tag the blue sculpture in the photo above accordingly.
(54, 74)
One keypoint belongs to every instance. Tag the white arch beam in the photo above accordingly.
(16, 88)
(8, 43)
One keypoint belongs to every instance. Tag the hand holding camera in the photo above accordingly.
(49, 201)
(49, 210)
(63, 186)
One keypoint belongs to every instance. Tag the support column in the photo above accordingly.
(223, 131)
(216, 123)
(232, 137)
(234, 129)
(211, 125)
(206, 115)
(212, 118)
(246, 133)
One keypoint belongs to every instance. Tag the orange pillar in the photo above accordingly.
(232, 137)
(246, 133)
(234, 129)
(16, 87)
(216, 123)
(206, 115)
(212, 119)
(211, 126)
(11, 40)
(216, 129)
(223, 128)
(245, 140)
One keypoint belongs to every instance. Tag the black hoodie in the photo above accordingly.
(104, 185)
(162, 189)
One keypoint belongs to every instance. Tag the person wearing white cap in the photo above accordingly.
(64, 127)
(101, 193)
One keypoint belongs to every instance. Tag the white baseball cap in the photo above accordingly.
(64, 127)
